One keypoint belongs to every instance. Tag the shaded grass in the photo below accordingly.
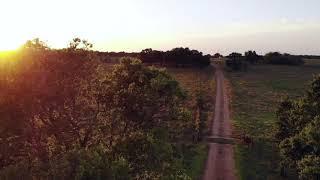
(197, 161)
(256, 95)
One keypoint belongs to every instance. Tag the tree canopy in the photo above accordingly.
(66, 115)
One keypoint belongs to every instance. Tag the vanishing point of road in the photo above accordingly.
(220, 162)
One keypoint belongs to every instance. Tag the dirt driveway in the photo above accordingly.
(220, 162)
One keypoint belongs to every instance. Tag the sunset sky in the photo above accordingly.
(211, 26)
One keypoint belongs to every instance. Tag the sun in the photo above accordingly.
(11, 39)
(9, 45)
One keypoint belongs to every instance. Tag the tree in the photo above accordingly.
(186, 57)
(236, 62)
(77, 43)
(298, 132)
(63, 117)
(141, 98)
(152, 56)
(35, 44)
(235, 55)
(48, 93)
(217, 55)
(252, 57)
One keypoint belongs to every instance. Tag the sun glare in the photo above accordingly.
(6, 56)
(9, 45)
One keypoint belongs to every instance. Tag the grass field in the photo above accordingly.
(255, 96)
(192, 80)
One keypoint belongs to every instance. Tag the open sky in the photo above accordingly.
(211, 26)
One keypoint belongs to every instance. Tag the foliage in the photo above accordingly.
(152, 56)
(298, 132)
(77, 43)
(282, 59)
(309, 167)
(92, 163)
(202, 106)
(236, 62)
(217, 55)
(142, 97)
(252, 57)
(35, 44)
(64, 116)
(177, 57)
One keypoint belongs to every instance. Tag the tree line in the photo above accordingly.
(238, 62)
(178, 57)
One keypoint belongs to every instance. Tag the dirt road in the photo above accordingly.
(220, 163)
